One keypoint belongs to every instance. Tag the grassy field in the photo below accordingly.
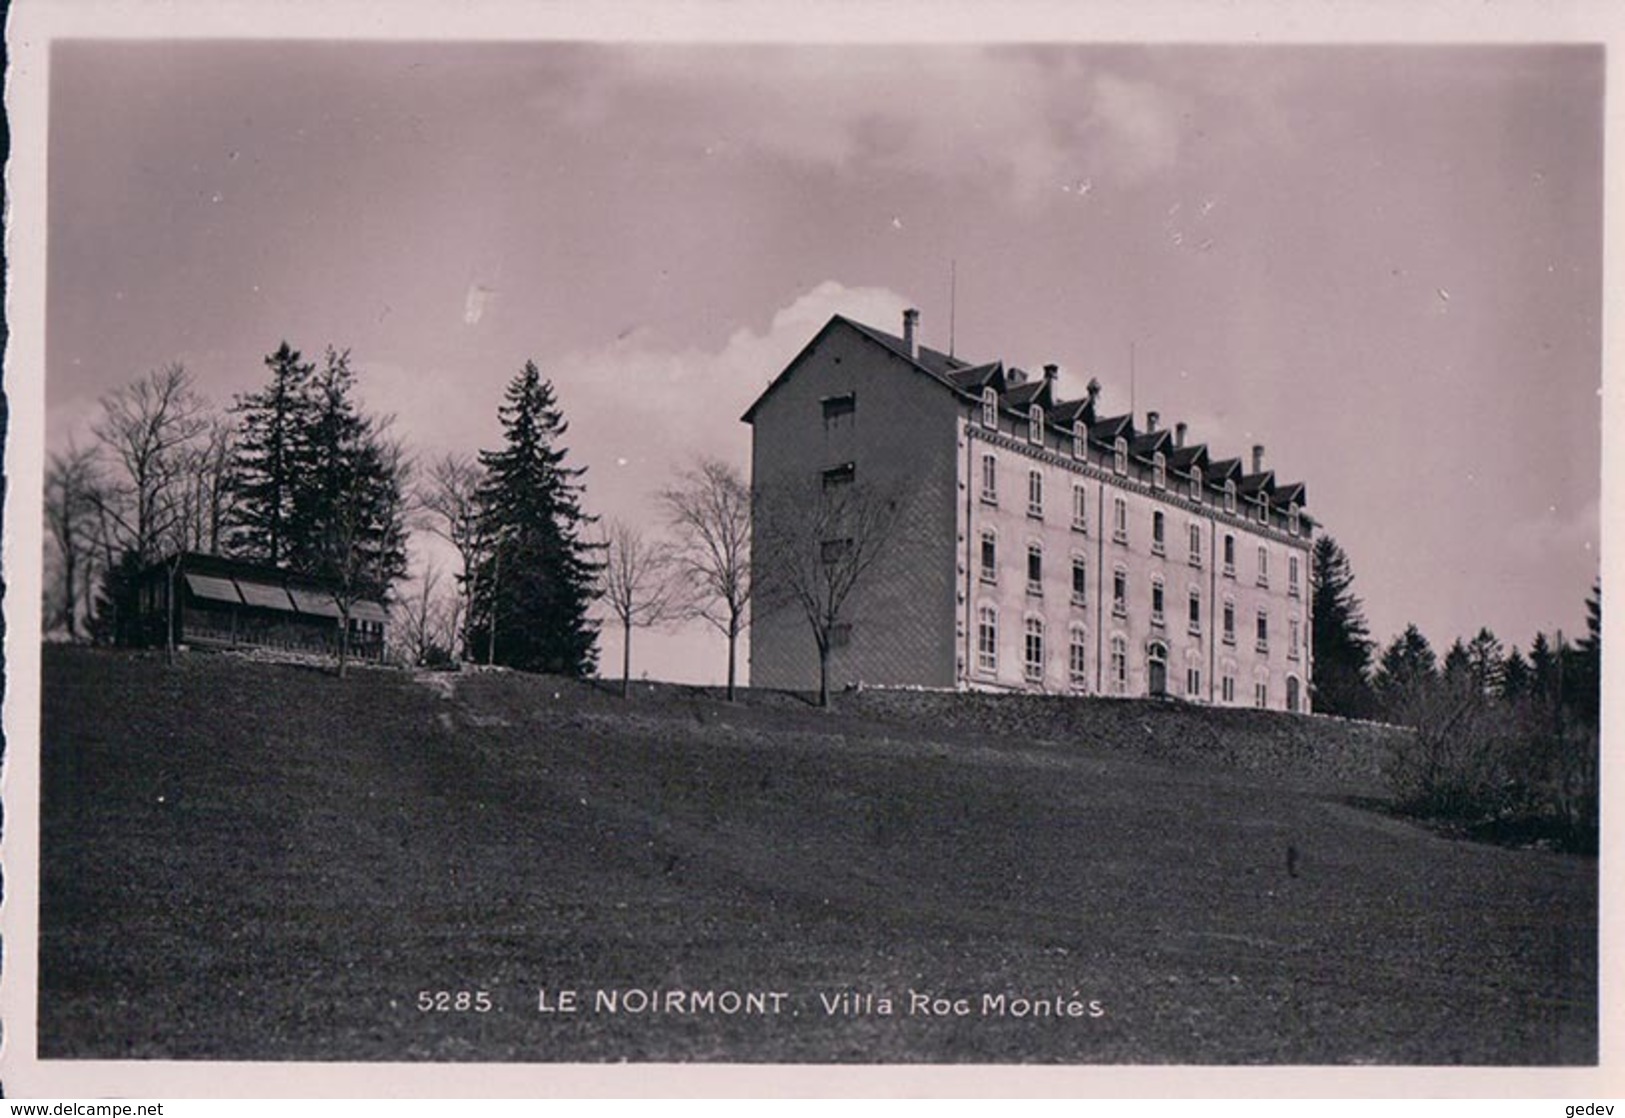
(261, 862)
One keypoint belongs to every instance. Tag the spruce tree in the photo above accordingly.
(534, 587)
(1342, 642)
(272, 457)
(1408, 665)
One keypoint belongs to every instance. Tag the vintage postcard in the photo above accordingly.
(1031, 550)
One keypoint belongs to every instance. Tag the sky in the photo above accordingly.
(1383, 263)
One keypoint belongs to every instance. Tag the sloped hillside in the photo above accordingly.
(256, 861)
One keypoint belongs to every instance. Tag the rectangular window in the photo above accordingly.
(1077, 657)
(1263, 643)
(838, 410)
(1263, 566)
(990, 557)
(1080, 582)
(1195, 612)
(837, 476)
(1292, 575)
(1227, 688)
(1229, 622)
(1196, 485)
(987, 639)
(1196, 545)
(1035, 569)
(1080, 508)
(1193, 682)
(1294, 520)
(1230, 555)
(1035, 494)
(990, 479)
(1119, 666)
(1119, 520)
(1034, 659)
(1261, 694)
(1120, 457)
(990, 409)
(1035, 425)
(1120, 593)
(1264, 511)
(1158, 533)
(1156, 601)
(1159, 471)
(1080, 441)
(1294, 635)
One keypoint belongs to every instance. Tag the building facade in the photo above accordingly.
(1041, 547)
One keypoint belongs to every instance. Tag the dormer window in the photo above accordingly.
(1159, 470)
(1120, 456)
(1035, 425)
(1080, 441)
(1230, 497)
(1196, 484)
(990, 409)
(1294, 520)
(1264, 511)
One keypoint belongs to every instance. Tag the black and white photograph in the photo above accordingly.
(783, 543)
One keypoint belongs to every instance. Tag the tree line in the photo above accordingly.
(297, 476)
(1503, 740)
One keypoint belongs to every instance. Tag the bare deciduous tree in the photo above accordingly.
(815, 546)
(147, 431)
(71, 494)
(636, 585)
(429, 618)
(710, 512)
(449, 497)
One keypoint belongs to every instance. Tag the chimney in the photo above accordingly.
(1179, 434)
(1050, 373)
(1094, 391)
(1151, 419)
(911, 323)
(1258, 458)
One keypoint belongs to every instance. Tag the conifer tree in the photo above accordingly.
(534, 586)
(1408, 665)
(1515, 676)
(272, 456)
(1342, 642)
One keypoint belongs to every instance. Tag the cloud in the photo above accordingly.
(637, 412)
(1032, 120)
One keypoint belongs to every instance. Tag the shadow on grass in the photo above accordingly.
(1516, 831)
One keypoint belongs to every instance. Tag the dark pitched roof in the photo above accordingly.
(1149, 443)
(1254, 484)
(1220, 470)
(1184, 457)
(1067, 412)
(974, 378)
(1290, 493)
(1023, 395)
(1106, 430)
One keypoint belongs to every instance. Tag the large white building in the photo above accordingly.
(1043, 547)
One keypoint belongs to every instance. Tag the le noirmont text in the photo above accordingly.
(635, 1001)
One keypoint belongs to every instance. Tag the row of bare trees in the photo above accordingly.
(805, 548)
(156, 480)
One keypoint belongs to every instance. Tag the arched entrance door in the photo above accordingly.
(1157, 669)
(1292, 702)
